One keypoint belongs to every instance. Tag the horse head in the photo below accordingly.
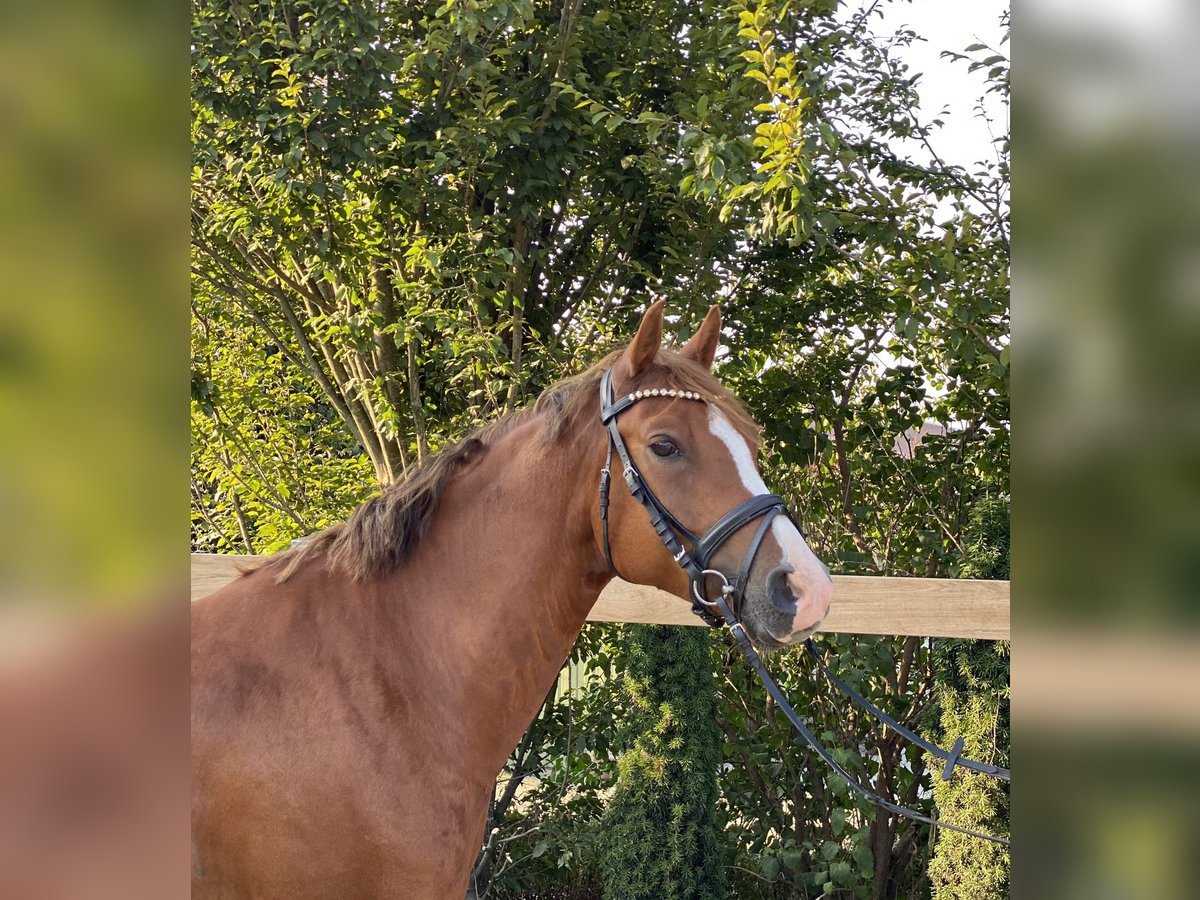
(697, 460)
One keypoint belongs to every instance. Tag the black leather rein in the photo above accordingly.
(721, 610)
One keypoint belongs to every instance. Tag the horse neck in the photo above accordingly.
(508, 572)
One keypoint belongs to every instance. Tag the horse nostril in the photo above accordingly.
(779, 592)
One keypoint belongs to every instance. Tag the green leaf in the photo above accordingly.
(792, 858)
(841, 872)
(769, 866)
(837, 820)
(865, 858)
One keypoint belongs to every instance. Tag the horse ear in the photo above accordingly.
(640, 353)
(702, 346)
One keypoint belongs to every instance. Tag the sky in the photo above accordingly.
(946, 25)
(949, 25)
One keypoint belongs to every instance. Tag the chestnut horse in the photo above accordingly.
(355, 698)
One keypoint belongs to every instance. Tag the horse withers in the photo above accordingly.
(355, 698)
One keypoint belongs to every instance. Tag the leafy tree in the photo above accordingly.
(904, 314)
(429, 208)
(660, 833)
(973, 703)
(408, 218)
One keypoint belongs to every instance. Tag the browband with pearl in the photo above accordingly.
(607, 414)
(666, 392)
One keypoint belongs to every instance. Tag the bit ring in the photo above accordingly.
(726, 587)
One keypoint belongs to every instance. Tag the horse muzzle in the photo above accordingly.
(798, 602)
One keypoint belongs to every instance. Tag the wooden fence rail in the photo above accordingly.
(928, 607)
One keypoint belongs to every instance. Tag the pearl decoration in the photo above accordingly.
(666, 392)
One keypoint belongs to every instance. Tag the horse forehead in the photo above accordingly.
(676, 412)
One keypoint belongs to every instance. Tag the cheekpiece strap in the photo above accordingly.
(666, 526)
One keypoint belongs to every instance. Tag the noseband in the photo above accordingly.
(721, 610)
(670, 530)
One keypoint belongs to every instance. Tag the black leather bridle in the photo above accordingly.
(669, 529)
(720, 610)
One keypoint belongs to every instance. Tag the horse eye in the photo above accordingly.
(664, 448)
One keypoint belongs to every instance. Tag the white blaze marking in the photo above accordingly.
(796, 551)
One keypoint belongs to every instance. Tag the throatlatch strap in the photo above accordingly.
(605, 487)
